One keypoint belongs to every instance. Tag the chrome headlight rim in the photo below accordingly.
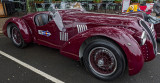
(152, 27)
(143, 38)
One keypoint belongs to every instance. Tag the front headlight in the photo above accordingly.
(143, 38)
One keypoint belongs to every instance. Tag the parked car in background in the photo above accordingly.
(105, 43)
(156, 8)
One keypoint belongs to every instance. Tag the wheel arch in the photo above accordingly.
(22, 26)
(88, 40)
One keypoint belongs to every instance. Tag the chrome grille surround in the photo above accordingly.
(151, 33)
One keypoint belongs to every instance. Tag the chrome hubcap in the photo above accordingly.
(100, 63)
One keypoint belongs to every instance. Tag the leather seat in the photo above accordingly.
(41, 19)
(45, 19)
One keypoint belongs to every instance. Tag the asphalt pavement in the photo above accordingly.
(51, 62)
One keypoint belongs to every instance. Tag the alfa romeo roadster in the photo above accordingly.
(106, 44)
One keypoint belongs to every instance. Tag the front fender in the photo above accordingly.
(128, 44)
(23, 27)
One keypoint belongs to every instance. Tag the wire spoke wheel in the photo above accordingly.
(16, 37)
(102, 61)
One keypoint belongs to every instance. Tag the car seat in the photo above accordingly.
(41, 19)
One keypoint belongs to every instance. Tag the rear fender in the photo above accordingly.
(24, 29)
(128, 44)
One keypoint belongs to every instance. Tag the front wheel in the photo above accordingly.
(104, 59)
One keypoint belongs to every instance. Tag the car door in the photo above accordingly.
(47, 31)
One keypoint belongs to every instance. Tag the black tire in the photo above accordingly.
(96, 59)
(16, 37)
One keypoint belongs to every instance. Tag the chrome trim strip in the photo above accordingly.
(60, 35)
(78, 28)
(48, 43)
(67, 37)
(63, 36)
(86, 27)
(81, 28)
(70, 53)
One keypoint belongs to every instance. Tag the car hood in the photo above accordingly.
(100, 19)
(96, 19)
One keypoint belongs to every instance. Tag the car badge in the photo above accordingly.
(45, 33)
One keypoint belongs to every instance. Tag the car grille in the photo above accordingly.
(151, 33)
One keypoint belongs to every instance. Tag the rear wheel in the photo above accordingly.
(104, 59)
(17, 37)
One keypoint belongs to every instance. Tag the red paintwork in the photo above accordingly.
(157, 29)
(119, 28)
(23, 27)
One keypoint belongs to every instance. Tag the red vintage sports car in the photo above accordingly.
(106, 44)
